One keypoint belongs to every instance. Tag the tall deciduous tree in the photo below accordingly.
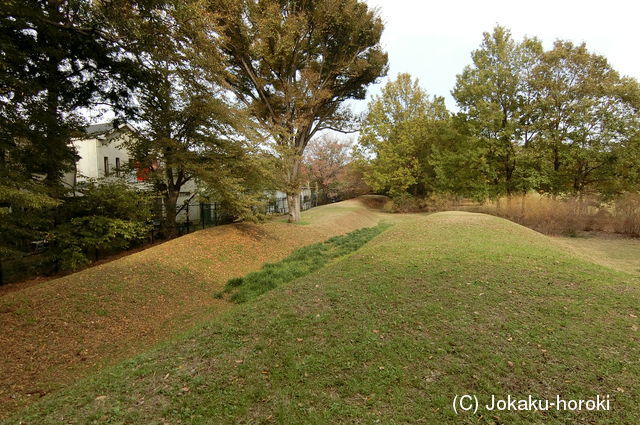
(399, 131)
(495, 99)
(187, 130)
(188, 138)
(325, 163)
(588, 122)
(294, 63)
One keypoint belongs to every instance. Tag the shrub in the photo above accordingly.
(377, 202)
(432, 203)
(626, 213)
(108, 216)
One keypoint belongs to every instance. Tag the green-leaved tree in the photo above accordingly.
(399, 132)
(189, 136)
(495, 100)
(589, 122)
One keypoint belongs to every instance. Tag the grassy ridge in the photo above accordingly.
(300, 263)
(452, 303)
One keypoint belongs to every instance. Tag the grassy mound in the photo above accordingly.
(300, 263)
(437, 306)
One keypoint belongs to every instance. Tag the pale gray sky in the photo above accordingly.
(433, 40)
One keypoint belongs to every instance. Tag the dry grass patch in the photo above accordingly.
(571, 215)
(614, 251)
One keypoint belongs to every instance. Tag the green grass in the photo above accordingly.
(439, 305)
(300, 263)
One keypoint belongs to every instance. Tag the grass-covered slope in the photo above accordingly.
(300, 263)
(54, 332)
(438, 306)
(614, 251)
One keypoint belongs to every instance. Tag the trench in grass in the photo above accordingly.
(300, 263)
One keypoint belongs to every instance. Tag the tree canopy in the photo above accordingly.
(560, 121)
(399, 132)
(57, 60)
(325, 164)
(294, 63)
(186, 127)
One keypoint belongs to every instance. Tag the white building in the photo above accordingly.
(103, 154)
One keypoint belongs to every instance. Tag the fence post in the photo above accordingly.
(188, 224)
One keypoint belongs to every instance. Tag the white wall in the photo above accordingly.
(86, 167)
(87, 150)
(186, 191)
(92, 151)
(111, 148)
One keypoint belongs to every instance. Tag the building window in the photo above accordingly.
(118, 167)
(106, 166)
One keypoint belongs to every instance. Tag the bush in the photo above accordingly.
(109, 216)
(432, 203)
(377, 202)
(626, 214)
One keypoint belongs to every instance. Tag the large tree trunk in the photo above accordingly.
(293, 200)
(169, 224)
(293, 191)
(174, 179)
(56, 139)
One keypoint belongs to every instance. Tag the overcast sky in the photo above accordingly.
(433, 40)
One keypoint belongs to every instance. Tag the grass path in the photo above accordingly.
(439, 305)
(617, 252)
(57, 331)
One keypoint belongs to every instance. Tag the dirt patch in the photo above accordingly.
(53, 332)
